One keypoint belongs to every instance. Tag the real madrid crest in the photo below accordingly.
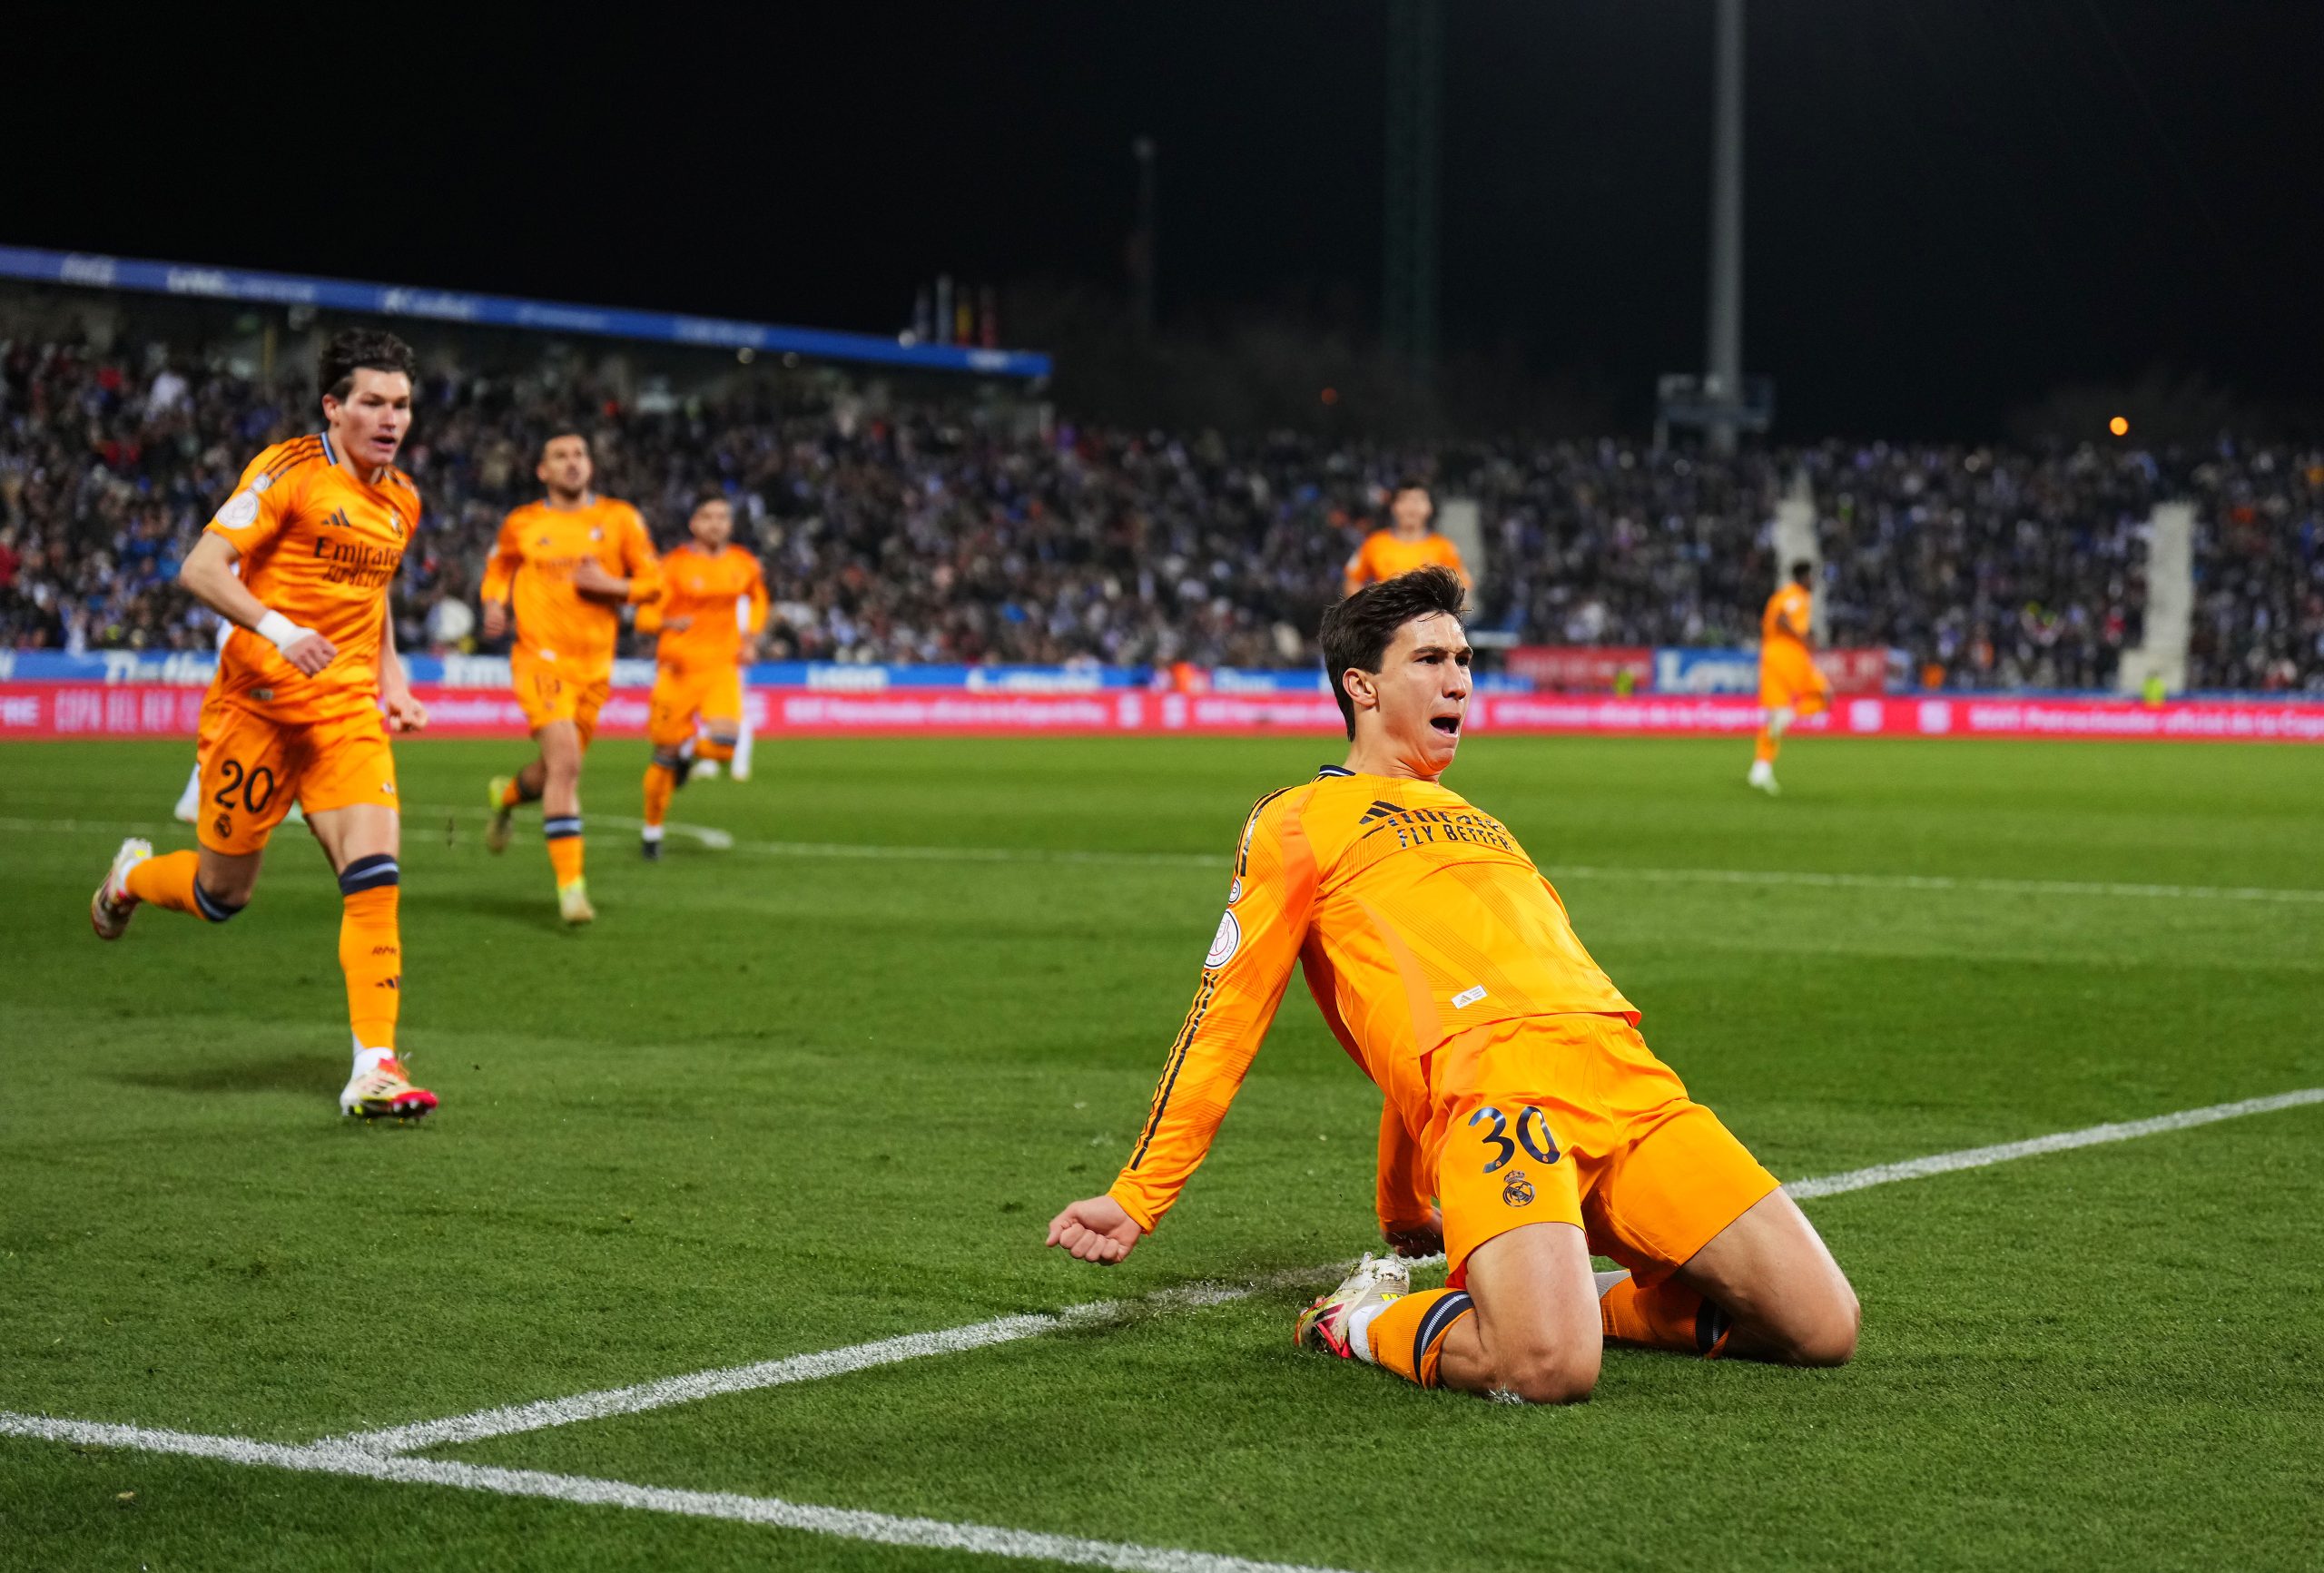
(1517, 1190)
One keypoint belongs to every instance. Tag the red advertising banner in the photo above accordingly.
(83, 710)
(1855, 671)
(1580, 668)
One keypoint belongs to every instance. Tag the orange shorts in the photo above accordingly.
(1790, 679)
(550, 693)
(253, 768)
(713, 693)
(1571, 1119)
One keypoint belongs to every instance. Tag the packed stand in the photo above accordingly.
(920, 534)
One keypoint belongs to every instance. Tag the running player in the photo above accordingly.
(1790, 685)
(713, 606)
(1407, 544)
(317, 528)
(1525, 1119)
(569, 562)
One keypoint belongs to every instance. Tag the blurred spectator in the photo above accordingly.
(923, 535)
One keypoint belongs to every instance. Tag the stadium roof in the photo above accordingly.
(95, 271)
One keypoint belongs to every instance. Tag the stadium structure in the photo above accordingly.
(726, 1248)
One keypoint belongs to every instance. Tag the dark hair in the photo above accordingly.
(707, 496)
(556, 432)
(1803, 570)
(1358, 631)
(1406, 484)
(353, 350)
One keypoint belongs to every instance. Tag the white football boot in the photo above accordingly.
(1377, 1281)
(109, 907)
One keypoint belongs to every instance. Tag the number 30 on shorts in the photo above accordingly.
(1532, 1135)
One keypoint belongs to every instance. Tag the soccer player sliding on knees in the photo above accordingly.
(1526, 1123)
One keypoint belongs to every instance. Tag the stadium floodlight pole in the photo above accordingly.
(1142, 244)
(1724, 381)
(1415, 105)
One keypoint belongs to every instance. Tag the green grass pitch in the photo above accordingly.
(779, 1101)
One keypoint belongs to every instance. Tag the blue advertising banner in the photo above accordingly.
(101, 273)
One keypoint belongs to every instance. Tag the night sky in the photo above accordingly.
(1952, 207)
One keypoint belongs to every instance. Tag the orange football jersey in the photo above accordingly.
(532, 566)
(1414, 916)
(1384, 555)
(321, 546)
(1789, 615)
(705, 591)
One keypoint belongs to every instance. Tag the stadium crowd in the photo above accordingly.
(918, 534)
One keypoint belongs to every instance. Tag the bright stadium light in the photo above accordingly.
(2119, 427)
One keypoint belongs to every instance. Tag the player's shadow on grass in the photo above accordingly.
(306, 1073)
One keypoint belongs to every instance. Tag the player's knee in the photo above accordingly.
(222, 891)
(1826, 1334)
(1550, 1375)
(216, 906)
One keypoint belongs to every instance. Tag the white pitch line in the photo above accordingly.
(2062, 1141)
(511, 1419)
(846, 1523)
(544, 1414)
(377, 1455)
(79, 827)
(722, 840)
(1976, 884)
(710, 836)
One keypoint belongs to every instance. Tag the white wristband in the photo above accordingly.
(280, 631)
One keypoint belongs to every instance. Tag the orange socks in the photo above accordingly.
(370, 948)
(661, 780)
(1667, 1316)
(713, 748)
(169, 881)
(563, 835)
(1407, 1335)
(166, 880)
(1765, 752)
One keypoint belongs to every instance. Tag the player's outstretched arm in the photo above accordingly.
(1251, 959)
(208, 575)
(1096, 1230)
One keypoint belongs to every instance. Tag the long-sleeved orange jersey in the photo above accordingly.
(1384, 555)
(319, 547)
(1414, 916)
(706, 590)
(533, 561)
(1789, 617)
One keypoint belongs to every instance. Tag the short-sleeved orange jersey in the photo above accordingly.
(707, 590)
(1789, 615)
(1414, 916)
(321, 546)
(532, 564)
(1384, 555)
